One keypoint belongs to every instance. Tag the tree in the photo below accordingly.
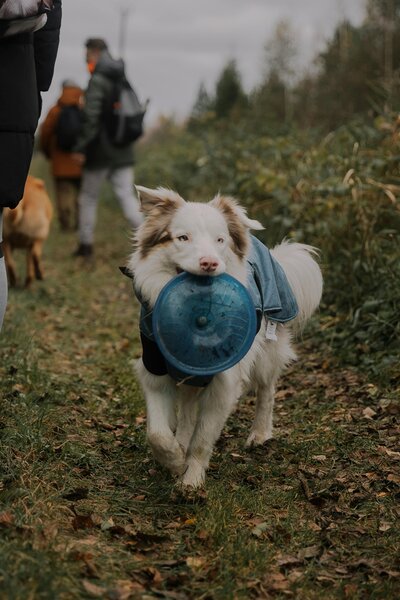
(229, 93)
(378, 9)
(383, 16)
(280, 56)
(269, 103)
(203, 103)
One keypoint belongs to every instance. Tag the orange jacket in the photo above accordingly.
(61, 162)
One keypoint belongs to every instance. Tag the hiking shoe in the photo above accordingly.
(85, 250)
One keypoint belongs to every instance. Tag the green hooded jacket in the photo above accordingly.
(93, 140)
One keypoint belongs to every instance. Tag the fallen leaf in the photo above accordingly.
(319, 457)
(203, 534)
(350, 590)
(154, 575)
(394, 478)
(83, 522)
(391, 453)
(107, 524)
(295, 575)
(94, 590)
(124, 590)
(195, 562)
(173, 525)
(259, 529)
(6, 519)
(287, 562)
(309, 552)
(278, 582)
(255, 521)
(369, 413)
(91, 540)
(314, 526)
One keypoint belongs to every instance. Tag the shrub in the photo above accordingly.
(338, 193)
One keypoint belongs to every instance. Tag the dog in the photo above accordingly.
(27, 226)
(184, 422)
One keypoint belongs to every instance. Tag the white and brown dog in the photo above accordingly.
(184, 422)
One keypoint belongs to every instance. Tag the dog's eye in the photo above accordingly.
(183, 238)
(221, 240)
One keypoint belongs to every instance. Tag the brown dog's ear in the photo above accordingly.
(230, 208)
(161, 198)
(237, 221)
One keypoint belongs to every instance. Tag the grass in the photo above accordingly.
(85, 512)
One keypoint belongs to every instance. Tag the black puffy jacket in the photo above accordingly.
(93, 140)
(26, 69)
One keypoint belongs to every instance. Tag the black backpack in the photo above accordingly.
(68, 127)
(123, 114)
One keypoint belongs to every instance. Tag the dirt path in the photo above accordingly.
(85, 512)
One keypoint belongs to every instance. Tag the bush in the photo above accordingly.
(338, 194)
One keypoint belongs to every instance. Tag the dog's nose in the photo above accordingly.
(208, 264)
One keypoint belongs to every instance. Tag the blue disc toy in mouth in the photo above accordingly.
(204, 325)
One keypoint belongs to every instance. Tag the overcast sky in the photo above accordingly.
(174, 45)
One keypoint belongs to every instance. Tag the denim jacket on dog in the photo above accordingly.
(268, 285)
(271, 294)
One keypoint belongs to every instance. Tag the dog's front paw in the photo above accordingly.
(168, 452)
(194, 476)
(258, 439)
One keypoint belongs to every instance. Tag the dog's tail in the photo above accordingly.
(304, 276)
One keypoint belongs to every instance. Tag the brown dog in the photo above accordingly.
(27, 226)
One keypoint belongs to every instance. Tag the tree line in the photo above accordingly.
(356, 73)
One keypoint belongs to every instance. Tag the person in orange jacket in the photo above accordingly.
(66, 171)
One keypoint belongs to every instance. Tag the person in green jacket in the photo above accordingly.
(101, 159)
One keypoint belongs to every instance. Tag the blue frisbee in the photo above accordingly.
(204, 325)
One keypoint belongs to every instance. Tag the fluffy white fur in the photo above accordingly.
(184, 422)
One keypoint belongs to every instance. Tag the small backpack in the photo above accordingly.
(68, 127)
(123, 115)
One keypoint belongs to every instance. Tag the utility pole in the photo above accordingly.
(123, 23)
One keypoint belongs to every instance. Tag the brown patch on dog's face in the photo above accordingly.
(159, 206)
(237, 230)
(152, 238)
(154, 231)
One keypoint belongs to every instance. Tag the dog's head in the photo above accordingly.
(194, 237)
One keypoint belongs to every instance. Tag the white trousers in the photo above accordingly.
(3, 277)
(122, 183)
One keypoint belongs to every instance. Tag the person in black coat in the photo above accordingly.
(26, 69)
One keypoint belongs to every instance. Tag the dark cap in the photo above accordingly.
(96, 44)
(70, 83)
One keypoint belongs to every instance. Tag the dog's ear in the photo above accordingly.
(232, 210)
(161, 198)
(238, 222)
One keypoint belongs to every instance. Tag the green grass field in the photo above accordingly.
(85, 512)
